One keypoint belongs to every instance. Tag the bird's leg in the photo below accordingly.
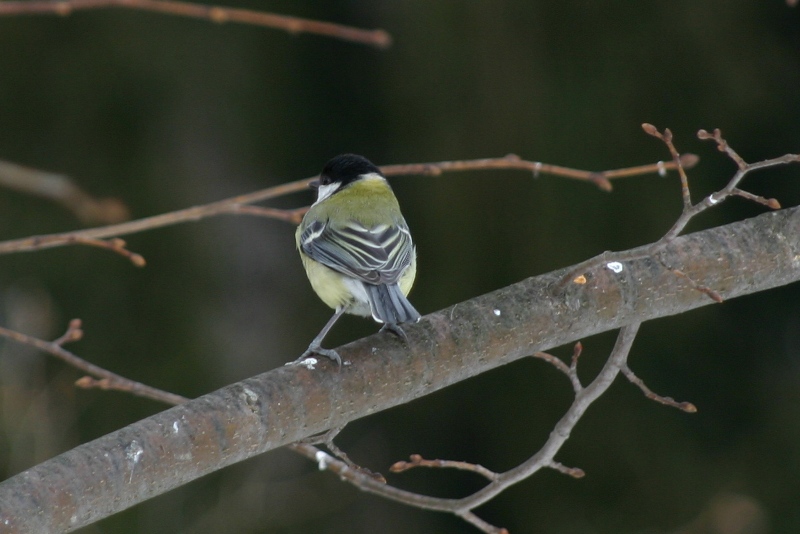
(316, 344)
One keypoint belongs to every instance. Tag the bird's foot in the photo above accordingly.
(307, 356)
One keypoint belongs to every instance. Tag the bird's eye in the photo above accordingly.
(324, 180)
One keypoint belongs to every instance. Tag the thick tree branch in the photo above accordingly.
(288, 404)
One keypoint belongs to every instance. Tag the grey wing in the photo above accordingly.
(376, 255)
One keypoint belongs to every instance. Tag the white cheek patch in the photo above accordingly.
(324, 191)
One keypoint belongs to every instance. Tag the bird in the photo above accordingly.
(356, 249)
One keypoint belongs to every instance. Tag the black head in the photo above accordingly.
(346, 168)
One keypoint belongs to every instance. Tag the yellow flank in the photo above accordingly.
(407, 279)
(328, 284)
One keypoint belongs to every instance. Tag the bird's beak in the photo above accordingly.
(314, 185)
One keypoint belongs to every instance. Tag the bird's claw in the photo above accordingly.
(312, 350)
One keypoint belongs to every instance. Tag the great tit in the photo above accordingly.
(356, 248)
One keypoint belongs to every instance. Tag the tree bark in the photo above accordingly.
(287, 404)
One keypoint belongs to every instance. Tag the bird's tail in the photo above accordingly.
(389, 305)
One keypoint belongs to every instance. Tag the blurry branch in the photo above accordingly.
(293, 25)
(100, 378)
(241, 204)
(116, 245)
(62, 190)
(292, 403)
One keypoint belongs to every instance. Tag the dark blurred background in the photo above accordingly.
(165, 113)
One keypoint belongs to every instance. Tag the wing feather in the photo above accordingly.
(376, 255)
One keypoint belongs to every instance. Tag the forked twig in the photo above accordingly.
(576, 275)
(571, 370)
(101, 378)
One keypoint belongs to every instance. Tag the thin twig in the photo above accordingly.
(574, 472)
(74, 333)
(326, 438)
(553, 360)
(570, 370)
(687, 407)
(722, 146)
(238, 203)
(512, 161)
(115, 245)
(576, 275)
(416, 460)
(293, 25)
(62, 190)
(771, 203)
(666, 137)
(577, 350)
(291, 216)
(107, 379)
(194, 213)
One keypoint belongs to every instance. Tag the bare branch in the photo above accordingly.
(512, 161)
(74, 333)
(115, 245)
(570, 370)
(687, 407)
(577, 275)
(771, 203)
(418, 461)
(217, 14)
(239, 204)
(722, 146)
(196, 213)
(62, 190)
(108, 380)
(291, 216)
(666, 137)
(574, 472)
